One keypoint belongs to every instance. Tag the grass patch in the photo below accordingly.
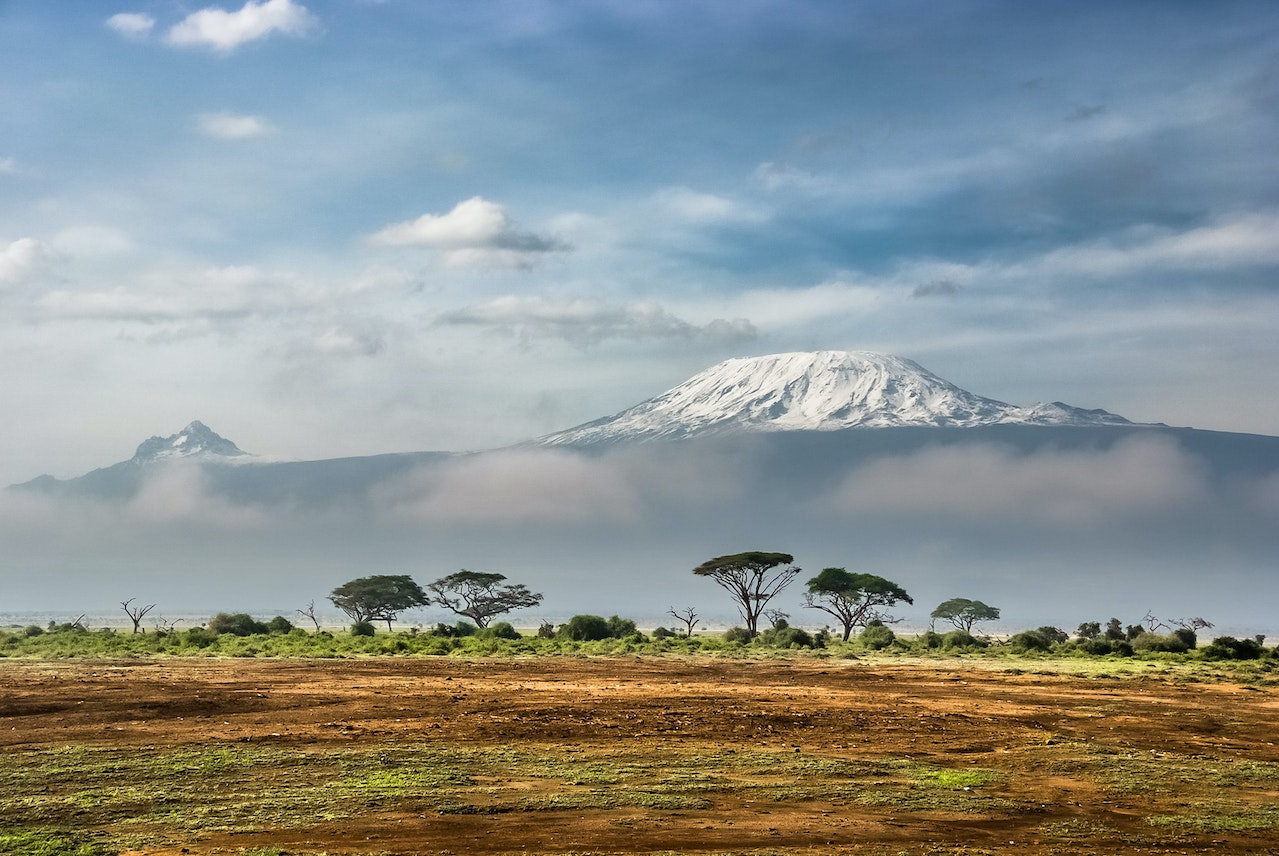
(45, 842)
(1255, 819)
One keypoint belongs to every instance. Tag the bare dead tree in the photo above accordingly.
(164, 625)
(309, 612)
(1152, 623)
(776, 617)
(136, 613)
(79, 623)
(1192, 624)
(686, 615)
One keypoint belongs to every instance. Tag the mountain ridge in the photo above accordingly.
(816, 391)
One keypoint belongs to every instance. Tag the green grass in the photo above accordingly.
(1218, 818)
(68, 642)
(45, 842)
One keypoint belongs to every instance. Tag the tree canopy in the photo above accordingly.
(853, 599)
(753, 579)
(380, 597)
(964, 613)
(480, 596)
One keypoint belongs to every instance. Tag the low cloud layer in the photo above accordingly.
(1060, 535)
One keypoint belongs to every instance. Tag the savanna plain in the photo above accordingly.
(799, 754)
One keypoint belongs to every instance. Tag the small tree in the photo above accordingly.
(480, 596)
(854, 600)
(964, 613)
(380, 597)
(136, 613)
(686, 615)
(752, 579)
(309, 612)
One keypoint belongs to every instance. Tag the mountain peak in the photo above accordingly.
(816, 391)
(195, 440)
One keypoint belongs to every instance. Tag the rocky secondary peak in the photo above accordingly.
(195, 440)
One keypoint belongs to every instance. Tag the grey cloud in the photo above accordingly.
(584, 321)
(936, 288)
(1137, 478)
(1085, 112)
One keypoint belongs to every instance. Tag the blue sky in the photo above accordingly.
(336, 228)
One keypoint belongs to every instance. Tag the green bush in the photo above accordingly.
(1147, 642)
(740, 635)
(931, 639)
(585, 628)
(236, 624)
(661, 633)
(1098, 647)
(1028, 641)
(960, 639)
(500, 630)
(279, 625)
(198, 637)
(1230, 648)
(786, 636)
(876, 637)
(363, 628)
(620, 628)
(1054, 635)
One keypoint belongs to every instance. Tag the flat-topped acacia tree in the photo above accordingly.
(964, 613)
(853, 599)
(753, 579)
(380, 597)
(480, 596)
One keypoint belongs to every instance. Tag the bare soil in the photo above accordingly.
(624, 755)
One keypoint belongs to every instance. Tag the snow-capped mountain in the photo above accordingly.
(818, 391)
(196, 440)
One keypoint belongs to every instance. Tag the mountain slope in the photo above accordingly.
(818, 391)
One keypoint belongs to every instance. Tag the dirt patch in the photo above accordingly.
(620, 755)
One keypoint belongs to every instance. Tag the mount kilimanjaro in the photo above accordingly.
(800, 415)
(819, 391)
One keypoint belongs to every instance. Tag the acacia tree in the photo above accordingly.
(380, 597)
(853, 599)
(480, 596)
(964, 613)
(753, 579)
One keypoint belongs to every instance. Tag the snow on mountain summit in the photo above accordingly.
(195, 440)
(817, 391)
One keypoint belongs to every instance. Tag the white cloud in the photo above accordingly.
(687, 204)
(132, 25)
(585, 321)
(8, 166)
(91, 241)
(225, 31)
(476, 232)
(1248, 239)
(178, 295)
(21, 257)
(230, 126)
